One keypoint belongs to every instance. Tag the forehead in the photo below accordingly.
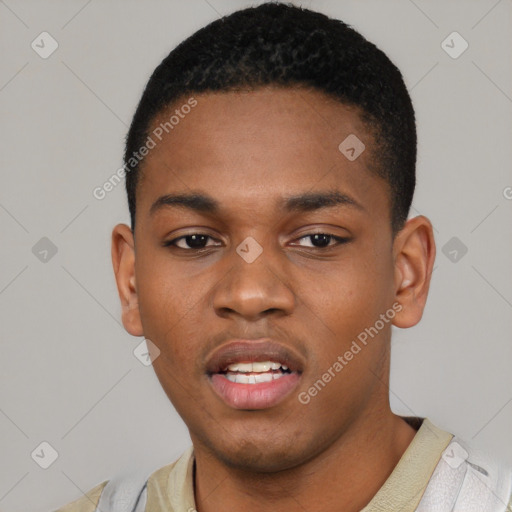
(257, 146)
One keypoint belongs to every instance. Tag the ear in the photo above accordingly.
(123, 260)
(414, 253)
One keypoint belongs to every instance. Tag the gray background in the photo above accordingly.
(67, 369)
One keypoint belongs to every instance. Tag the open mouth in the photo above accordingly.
(254, 374)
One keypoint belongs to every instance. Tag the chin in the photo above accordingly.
(260, 456)
(264, 463)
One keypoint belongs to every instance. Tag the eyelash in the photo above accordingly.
(172, 243)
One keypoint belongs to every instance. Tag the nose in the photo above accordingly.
(253, 290)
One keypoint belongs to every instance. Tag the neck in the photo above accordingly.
(345, 476)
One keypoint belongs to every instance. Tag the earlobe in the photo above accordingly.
(414, 255)
(123, 261)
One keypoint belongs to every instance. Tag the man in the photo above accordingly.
(270, 168)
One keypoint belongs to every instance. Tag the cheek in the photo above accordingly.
(344, 296)
(164, 308)
(336, 314)
(165, 293)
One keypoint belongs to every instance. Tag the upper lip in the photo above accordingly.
(248, 351)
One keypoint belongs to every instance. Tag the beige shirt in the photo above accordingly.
(171, 488)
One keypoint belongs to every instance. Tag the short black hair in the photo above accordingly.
(289, 46)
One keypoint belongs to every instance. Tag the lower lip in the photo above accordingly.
(254, 396)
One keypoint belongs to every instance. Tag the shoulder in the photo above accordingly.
(469, 478)
(87, 503)
(127, 490)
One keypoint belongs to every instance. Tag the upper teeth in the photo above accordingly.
(263, 366)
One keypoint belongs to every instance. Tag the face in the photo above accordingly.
(276, 238)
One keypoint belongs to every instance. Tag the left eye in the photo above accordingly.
(320, 240)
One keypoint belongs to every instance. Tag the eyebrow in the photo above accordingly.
(319, 200)
(306, 202)
(197, 202)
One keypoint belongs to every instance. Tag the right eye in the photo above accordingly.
(190, 242)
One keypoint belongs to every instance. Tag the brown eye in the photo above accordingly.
(322, 240)
(190, 242)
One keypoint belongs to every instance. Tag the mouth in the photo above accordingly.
(254, 374)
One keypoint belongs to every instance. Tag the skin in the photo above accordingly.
(249, 151)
